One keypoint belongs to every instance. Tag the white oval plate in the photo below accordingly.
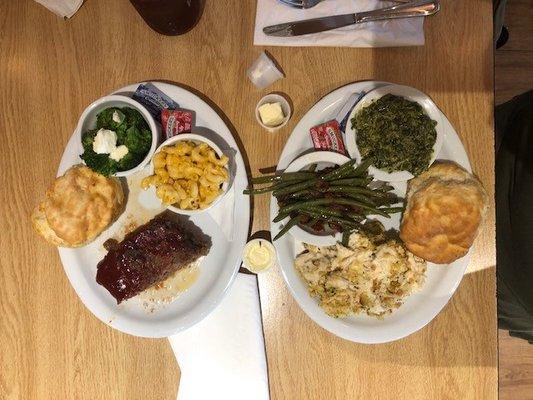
(441, 280)
(323, 159)
(215, 277)
(410, 94)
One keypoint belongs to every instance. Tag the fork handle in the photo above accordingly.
(419, 8)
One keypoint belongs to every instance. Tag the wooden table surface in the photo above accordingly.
(51, 347)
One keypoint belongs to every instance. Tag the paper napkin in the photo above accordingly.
(63, 8)
(223, 356)
(399, 32)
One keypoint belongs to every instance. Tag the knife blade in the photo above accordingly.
(414, 8)
(307, 26)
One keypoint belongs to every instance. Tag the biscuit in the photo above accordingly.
(79, 205)
(445, 207)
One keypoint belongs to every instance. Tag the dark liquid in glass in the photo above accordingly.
(170, 17)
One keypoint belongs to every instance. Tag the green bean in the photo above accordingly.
(389, 198)
(335, 213)
(317, 202)
(284, 176)
(281, 216)
(351, 181)
(346, 237)
(325, 211)
(363, 199)
(376, 211)
(294, 187)
(258, 191)
(293, 221)
(336, 173)
(301, 193)
(287, 209)
(359, 171)
(330, 218)
(356, 190)
(392, 210)
(363, 167)
(347, 171)
(265, 179)
(267, 189)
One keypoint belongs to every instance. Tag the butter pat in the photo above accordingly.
(258, 255)
(105, 141)
(271, 114)
(118, 153)
(118, 117)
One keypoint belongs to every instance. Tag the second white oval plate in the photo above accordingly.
(441, 280)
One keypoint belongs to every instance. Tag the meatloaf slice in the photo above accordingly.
(147, 256)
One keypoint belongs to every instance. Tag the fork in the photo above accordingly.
(301, 3)
(304, 4)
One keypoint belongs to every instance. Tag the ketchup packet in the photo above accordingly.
(328, 137)
(175, 122)
(153, 99)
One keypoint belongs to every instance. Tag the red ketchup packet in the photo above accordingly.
(175, 122)
(328, 137)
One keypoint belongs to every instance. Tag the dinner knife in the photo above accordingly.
(418, 8)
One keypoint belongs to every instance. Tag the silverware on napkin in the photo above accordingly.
(305, 4)
(419, 8)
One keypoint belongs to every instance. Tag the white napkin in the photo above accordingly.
(63, 8)
(223, 212)
(400, 32)
(223, 356)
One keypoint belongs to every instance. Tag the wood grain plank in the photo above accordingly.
(516, 368)
(54, 348)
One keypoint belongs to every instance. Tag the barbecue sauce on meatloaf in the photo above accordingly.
(147, 256)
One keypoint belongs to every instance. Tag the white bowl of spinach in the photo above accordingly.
(126, 135)
(399, 128)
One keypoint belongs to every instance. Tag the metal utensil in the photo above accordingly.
(419, 8)
(301, 3)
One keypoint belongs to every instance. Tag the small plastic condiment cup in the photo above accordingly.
(285, 107)
(262, 242)
(264, 71)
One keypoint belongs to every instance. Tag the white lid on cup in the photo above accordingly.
(264, 71)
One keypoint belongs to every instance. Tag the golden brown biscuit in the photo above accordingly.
(78, 207)
(445, 206)
(40, 224)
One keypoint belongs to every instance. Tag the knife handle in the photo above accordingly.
(419, 8)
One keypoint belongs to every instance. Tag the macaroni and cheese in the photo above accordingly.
(188, 175)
